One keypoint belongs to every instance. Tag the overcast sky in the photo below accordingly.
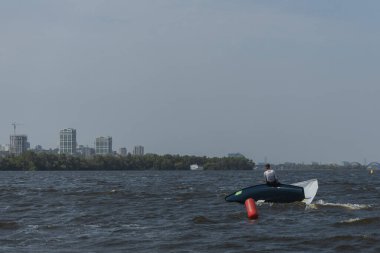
(294, 81)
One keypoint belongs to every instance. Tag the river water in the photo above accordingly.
(184, 211)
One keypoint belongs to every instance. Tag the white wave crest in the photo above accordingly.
(346, 205)
(352, 220)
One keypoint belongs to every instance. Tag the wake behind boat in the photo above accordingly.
(302, 191)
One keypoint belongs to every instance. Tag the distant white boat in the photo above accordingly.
(195, 167)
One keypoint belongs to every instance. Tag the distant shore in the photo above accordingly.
(32, 161)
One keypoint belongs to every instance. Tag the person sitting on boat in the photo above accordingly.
(270, 176)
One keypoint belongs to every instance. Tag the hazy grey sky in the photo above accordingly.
(287, 80)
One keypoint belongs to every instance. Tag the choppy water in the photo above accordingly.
(171, 211)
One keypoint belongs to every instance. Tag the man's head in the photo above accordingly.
(267, 166)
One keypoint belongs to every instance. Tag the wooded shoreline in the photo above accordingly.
(32, 161)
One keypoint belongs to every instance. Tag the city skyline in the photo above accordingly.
(67, 143)
(291, 81)
(106, 148)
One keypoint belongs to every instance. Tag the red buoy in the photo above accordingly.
(251, 209)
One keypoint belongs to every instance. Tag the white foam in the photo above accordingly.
(352, 220)
(346, 205)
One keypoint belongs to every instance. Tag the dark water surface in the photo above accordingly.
(169, 211)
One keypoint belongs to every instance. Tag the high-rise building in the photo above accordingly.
(68, 141)
(4, 147)
(38, 148)
(123, 151)
(85, 151)
(18, 144)
(138, 150)
(103, 146)
(4, 150)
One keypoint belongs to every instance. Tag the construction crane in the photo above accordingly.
(14, 124)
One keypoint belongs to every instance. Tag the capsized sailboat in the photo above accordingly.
(283, 193)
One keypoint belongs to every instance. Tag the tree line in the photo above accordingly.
(32, 161)
(317, 166)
